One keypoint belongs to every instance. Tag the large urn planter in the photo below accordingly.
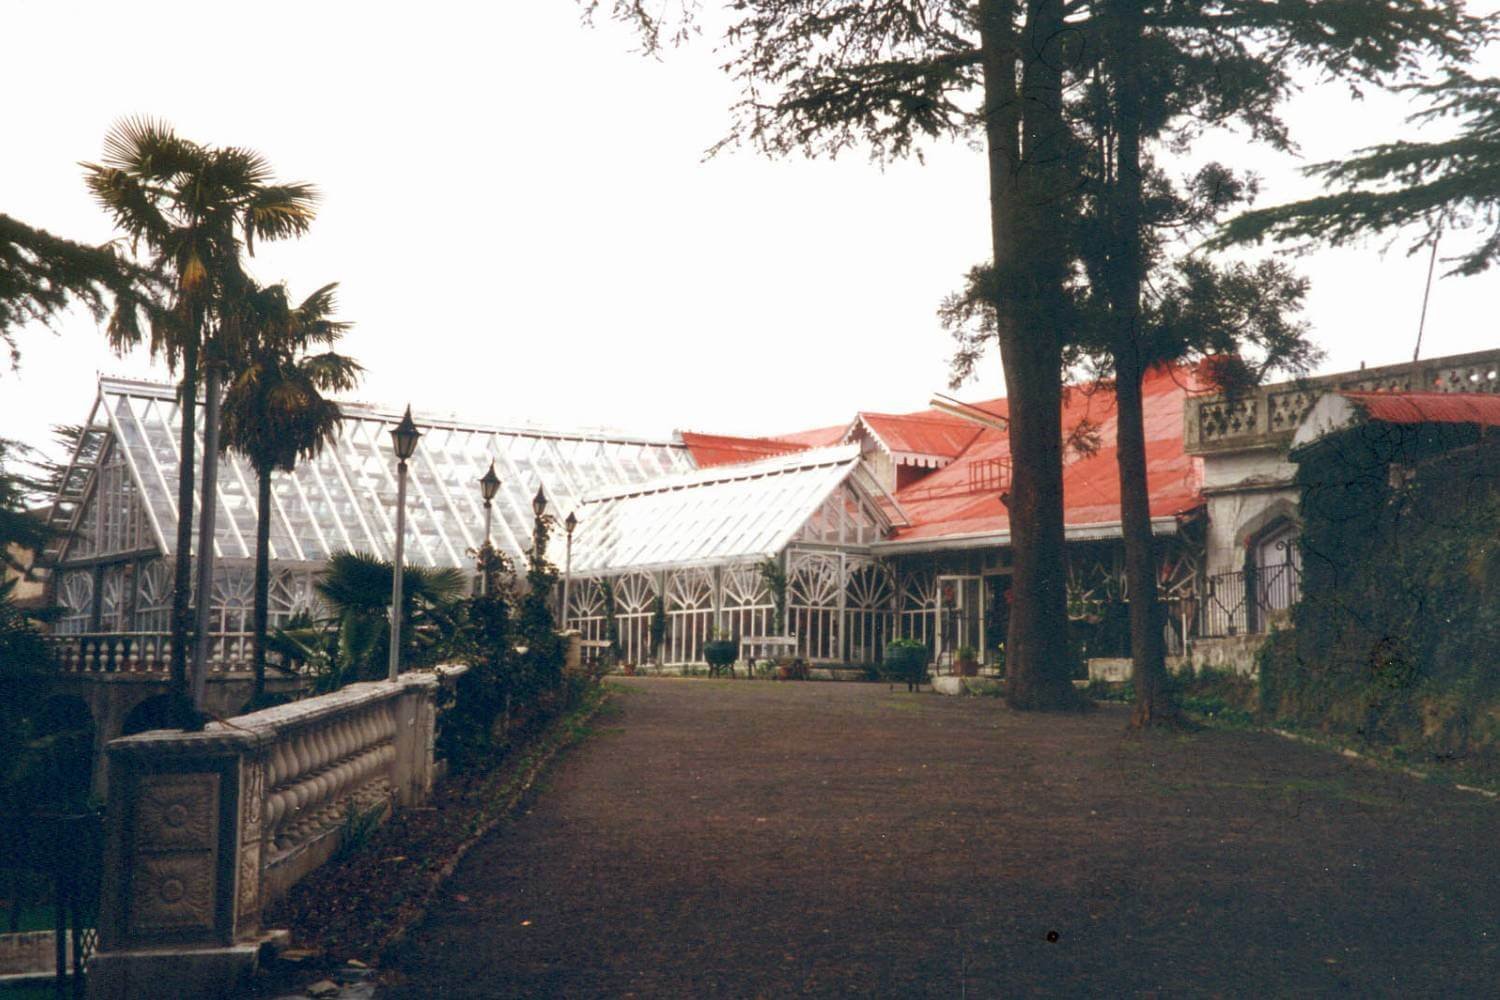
(905, 662)
(720, 655)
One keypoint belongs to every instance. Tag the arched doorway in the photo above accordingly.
(153, 713)
(65, 741)
(1273, 571)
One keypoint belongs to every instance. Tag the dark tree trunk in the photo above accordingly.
(1153, 701)
(182, 584)
(262, 576)
(1127, 263)
(1023, 134)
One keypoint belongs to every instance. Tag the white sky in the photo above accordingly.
(523, 228)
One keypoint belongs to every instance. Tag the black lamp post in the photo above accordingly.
(489, 485)
(568, 526)
(538, 507)
(404, 440)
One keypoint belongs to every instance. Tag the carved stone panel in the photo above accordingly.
(177, 812)
(172, 892)
(174, 848)
(252, 796)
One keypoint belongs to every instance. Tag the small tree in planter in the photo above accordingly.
(967, 661)
(774, 578)
(659, 622)
(611, 622)
(905, 661)
(720, 653)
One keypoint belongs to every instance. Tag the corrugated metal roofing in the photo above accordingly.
(723, 449)
(1429, 407)
(926, 433)
(953, 501)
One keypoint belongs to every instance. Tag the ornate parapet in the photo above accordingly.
(1268, 416)
(207, 827)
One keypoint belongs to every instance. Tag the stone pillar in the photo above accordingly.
(205, 827)
(171, 916)
(416, 729)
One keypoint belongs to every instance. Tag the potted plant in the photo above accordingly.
(791, 669)
(628, 669)
(905, 661)
(967, 661)
(720, 653)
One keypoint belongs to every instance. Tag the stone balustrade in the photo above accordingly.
(143, 652)
(1268, 416)
(205, 828)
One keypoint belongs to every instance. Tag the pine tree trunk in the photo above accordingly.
(182, 584)
(1025, 187)
(262, 576)
(1127, 263)
(1153, 702)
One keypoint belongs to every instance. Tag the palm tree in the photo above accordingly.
(274, 410)
(194, 208)
(352, 642)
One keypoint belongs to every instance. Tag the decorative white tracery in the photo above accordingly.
(635, 601)
(919, 605)
(815, 586)
(75, 592)
(153, 597)
(870, 595)
(690, 614)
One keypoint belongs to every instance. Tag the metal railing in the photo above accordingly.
(1242, 603)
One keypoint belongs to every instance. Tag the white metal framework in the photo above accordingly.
(691, 549)
(119, 501)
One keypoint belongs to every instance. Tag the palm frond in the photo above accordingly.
(149, 148)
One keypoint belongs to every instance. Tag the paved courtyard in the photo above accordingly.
(719, 838)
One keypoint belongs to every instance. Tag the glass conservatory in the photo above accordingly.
(692, 548)
(113, 572)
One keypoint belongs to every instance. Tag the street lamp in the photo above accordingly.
(488, 487)
(404, 440)
(568, 526)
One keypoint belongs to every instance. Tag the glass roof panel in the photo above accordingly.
(346, 497)
(716, 515)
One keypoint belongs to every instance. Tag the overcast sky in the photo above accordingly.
(523, 228)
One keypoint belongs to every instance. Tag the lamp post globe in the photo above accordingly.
(489, 485)
(539, 502)
(404, 438)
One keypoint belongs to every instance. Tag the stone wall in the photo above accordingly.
(1235, 654)
(30, 953)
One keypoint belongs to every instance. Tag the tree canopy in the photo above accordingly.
(1424, 188)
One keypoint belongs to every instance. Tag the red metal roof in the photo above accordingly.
(926, 433)
(1429, 407)
(818, 437)
(947, 504)
(721, 449)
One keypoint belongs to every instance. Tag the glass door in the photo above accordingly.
(959, 618)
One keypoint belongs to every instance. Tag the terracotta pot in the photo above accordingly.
(628, 670)
(968, 668)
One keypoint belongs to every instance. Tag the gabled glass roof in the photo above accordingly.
(713, 516)
(346, 497)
